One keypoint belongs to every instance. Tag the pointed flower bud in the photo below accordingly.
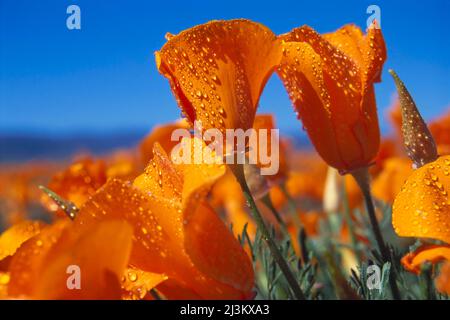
(419, 142)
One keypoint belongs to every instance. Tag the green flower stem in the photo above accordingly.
(362, 178)
(284, 267)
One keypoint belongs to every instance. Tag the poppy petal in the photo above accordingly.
(422, 207)
(28, 260)
(12, 238)
(431, 253)
(156, 223)
(101, 253)
(206, 233)
(136, 283)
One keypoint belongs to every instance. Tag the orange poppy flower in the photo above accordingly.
(218, 70)
(422, 210)
(161, 229)
(330, 80)
(422, 207)
(174, 229)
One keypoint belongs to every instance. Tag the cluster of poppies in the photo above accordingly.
(140, 226)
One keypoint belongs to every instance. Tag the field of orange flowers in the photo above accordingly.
(360, 217)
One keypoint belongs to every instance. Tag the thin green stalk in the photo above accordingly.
(362, 178)
(430, 291)
(284, 267)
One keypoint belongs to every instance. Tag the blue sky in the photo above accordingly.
(103, 77)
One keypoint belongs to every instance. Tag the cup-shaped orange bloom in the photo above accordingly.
(330, 79)
(217, 70)
(422, 208)
(175, 232)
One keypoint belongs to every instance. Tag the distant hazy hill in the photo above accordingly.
(14, 148)
(25, 147)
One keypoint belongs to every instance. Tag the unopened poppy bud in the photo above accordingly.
(418, 141)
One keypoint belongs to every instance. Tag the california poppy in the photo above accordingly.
(174, 229)
(330, 80)
(422, 210)
(422, 207)
(217, 70)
